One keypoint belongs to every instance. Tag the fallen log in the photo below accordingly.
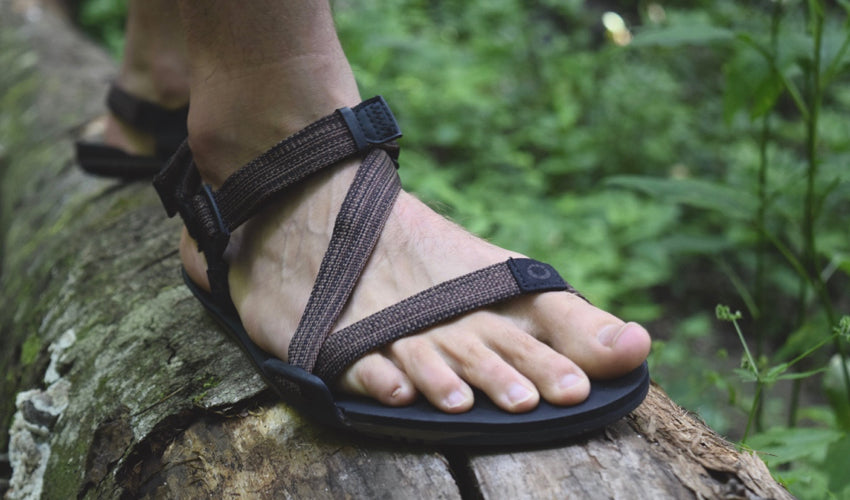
(118, 385)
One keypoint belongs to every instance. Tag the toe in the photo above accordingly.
(419, 358)
(601, 344)
(376, 376)
(481, 348)
(483, 368)
(557, 378)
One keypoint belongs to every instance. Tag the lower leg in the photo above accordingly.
(275, 65)
(154, 66)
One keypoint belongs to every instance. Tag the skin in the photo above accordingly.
(263, 70)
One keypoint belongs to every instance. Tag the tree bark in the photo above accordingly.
(117, 384)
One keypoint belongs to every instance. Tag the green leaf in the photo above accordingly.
(833, 386)
(723, 313)
(745, 375)
(765, 96)
(835, 464)
(799, 375)
(843, 328)
(693, 192)
(745, 73)
(781, 445)
(675, 36)
(774, 372)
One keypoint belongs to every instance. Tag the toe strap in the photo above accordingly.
(440, 303)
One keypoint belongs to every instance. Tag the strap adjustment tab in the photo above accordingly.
(371, 123)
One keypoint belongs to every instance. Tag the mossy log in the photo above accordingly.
(116, 383)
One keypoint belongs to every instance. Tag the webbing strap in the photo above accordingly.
(319, 145)
(440, 303)
(358, 226)
(168, 126)
(322, 144)
(210, 216)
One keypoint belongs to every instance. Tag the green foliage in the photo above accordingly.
(784, 203)
(104, 20)
(813, 462)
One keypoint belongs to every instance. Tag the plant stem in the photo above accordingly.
(751, 417)
(754, 409)
(810, 252)
(762, 243)
(753, 366)
(761, 246)
(793, 406)
(810, 255)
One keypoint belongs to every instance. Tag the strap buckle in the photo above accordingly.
(213, 236)
(371, 123)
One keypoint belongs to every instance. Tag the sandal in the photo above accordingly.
(317, 353)
(168, 127)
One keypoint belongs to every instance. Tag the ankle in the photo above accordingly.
(163, 79)
(235, 118)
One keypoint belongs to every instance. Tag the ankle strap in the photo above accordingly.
(210, 216)
(168, 126)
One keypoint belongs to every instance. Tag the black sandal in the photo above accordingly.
(317, 354)
(168, 127)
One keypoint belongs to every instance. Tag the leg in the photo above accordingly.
(263, 70)
(154, 68)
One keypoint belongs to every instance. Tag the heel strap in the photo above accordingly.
(168, 126)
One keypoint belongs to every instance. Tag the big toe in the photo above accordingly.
(603, 345)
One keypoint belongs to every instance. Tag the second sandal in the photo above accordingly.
(167, 126)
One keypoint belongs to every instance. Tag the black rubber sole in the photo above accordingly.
(483, 425)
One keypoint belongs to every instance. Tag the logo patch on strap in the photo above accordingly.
(535, 276)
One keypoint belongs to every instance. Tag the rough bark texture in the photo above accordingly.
(118, 385)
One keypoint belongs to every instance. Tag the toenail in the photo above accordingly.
(518, 393)
(569, 380)
(455, 399)
(608, 334)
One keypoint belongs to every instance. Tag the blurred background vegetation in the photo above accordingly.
(667, 157)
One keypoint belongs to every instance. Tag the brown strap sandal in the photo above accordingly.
(317, 353)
